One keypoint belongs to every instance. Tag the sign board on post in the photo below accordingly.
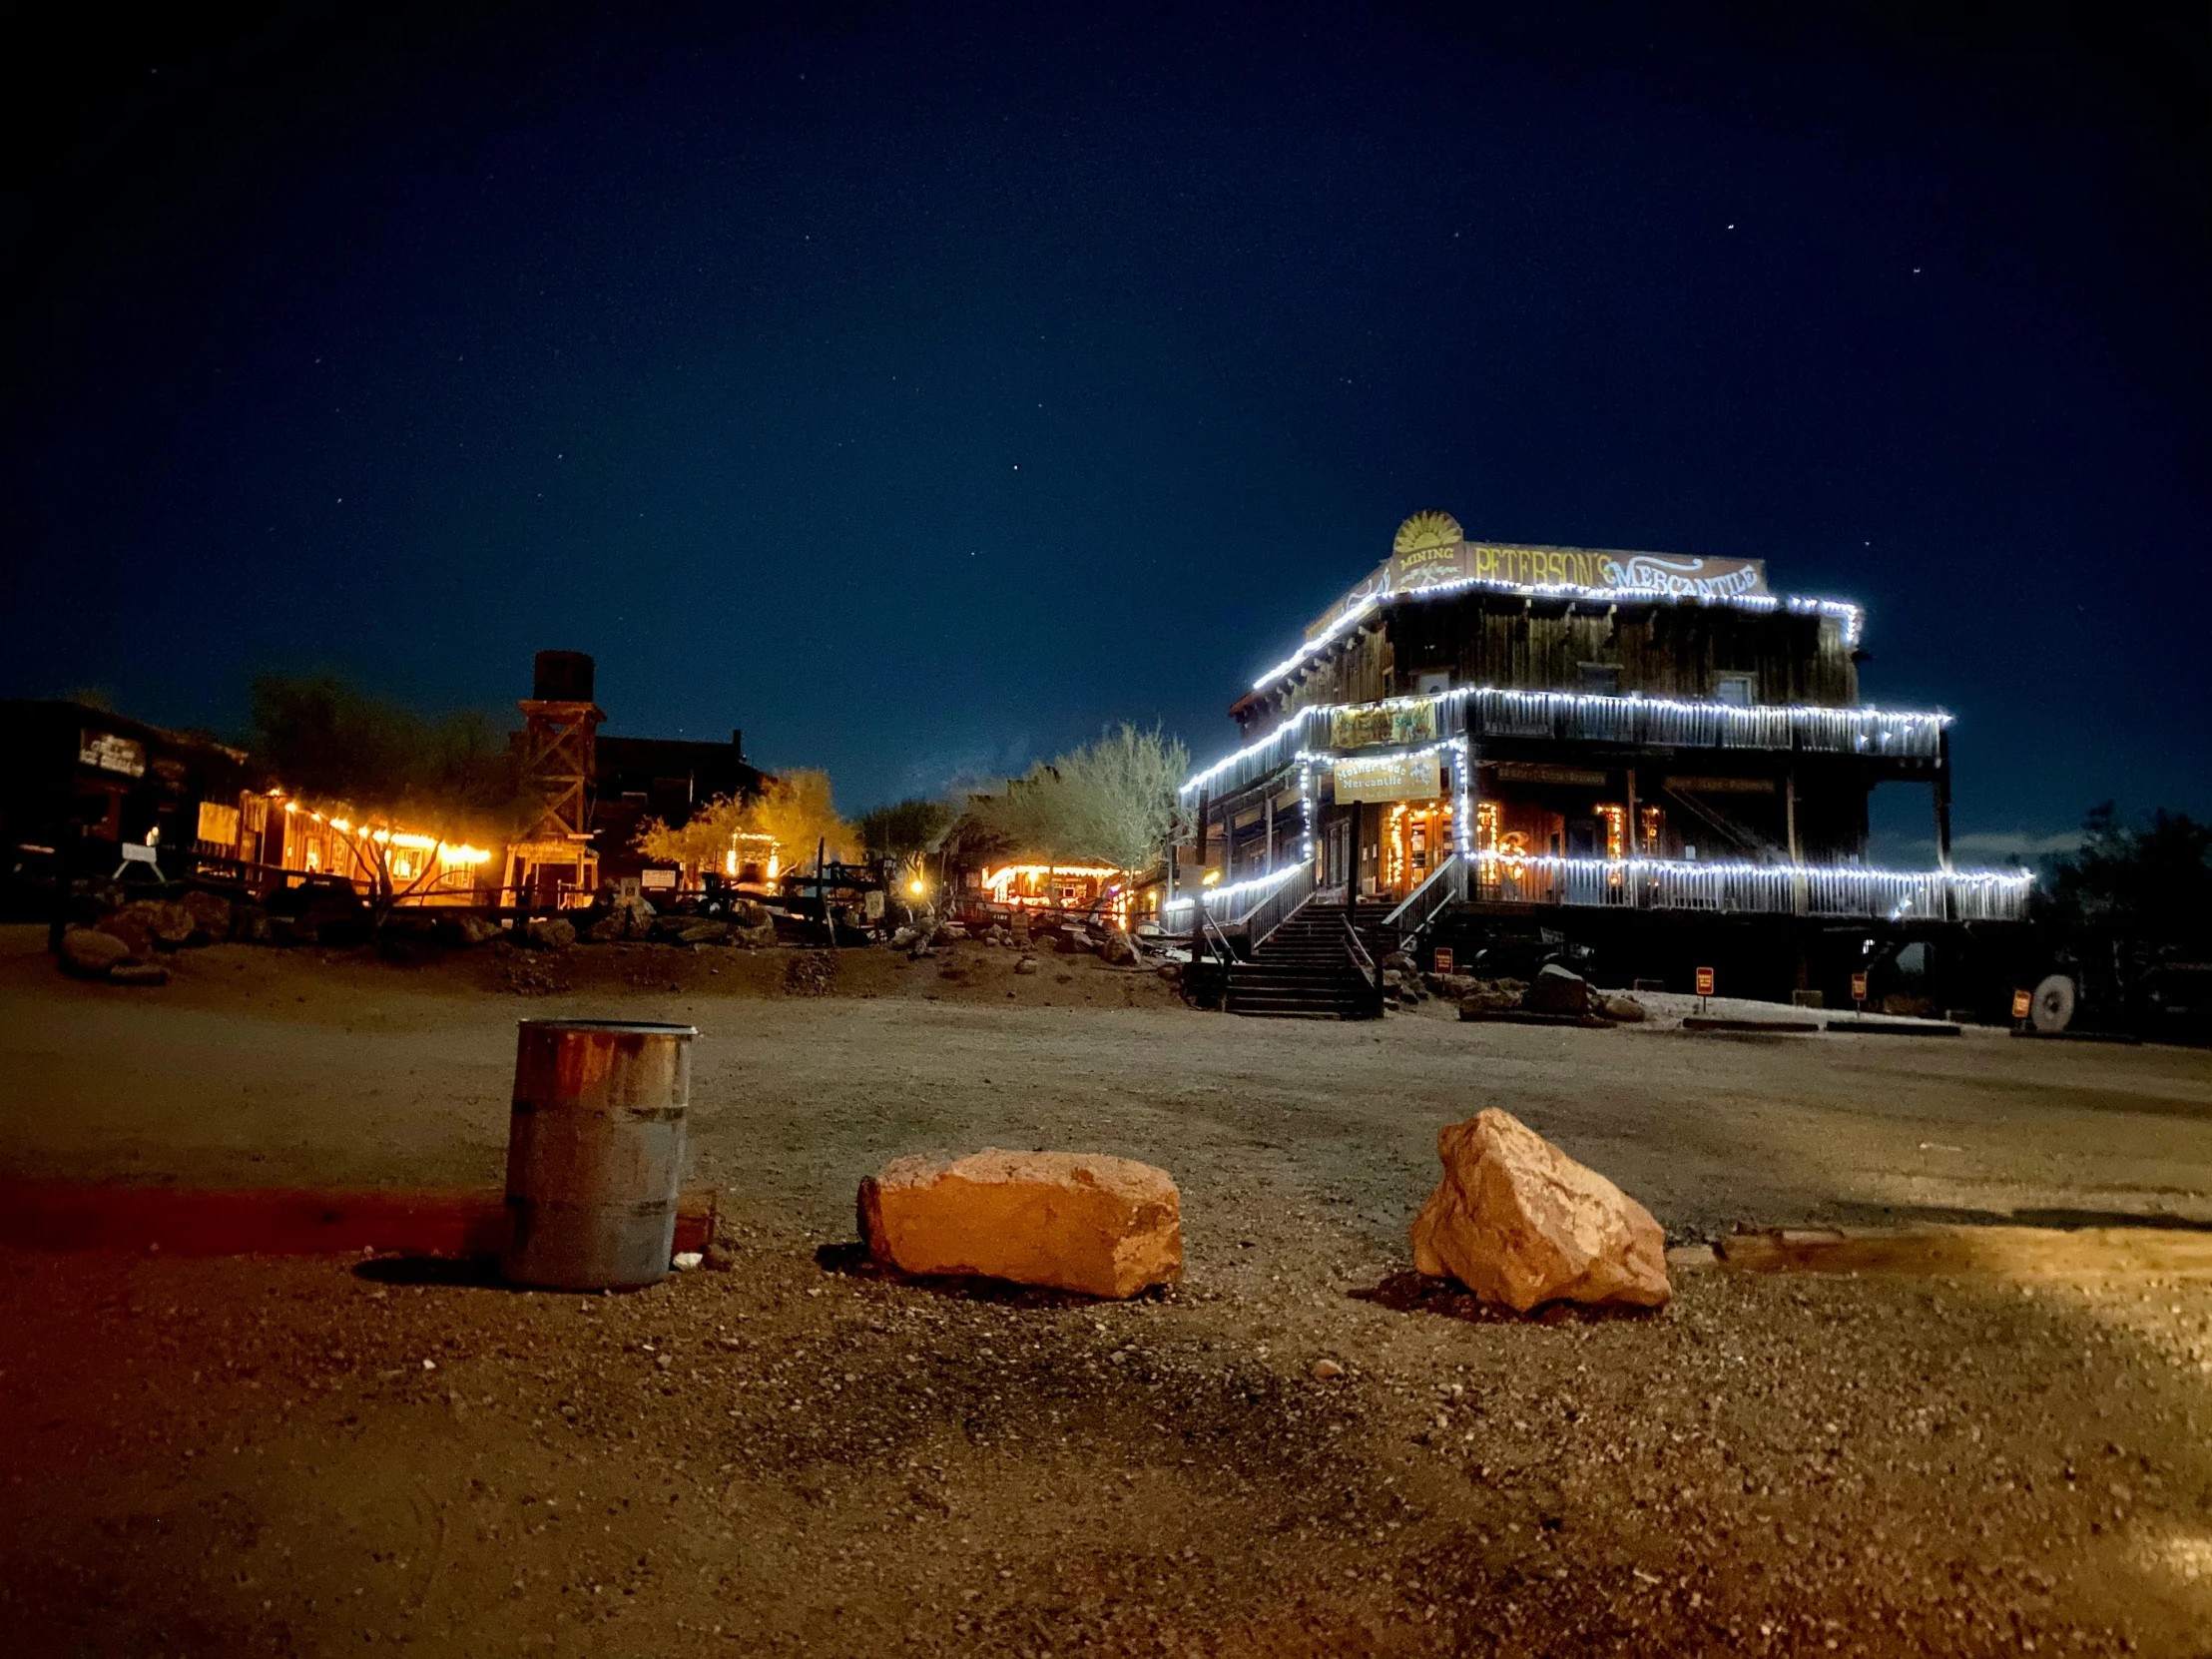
(1705, 981)
(2023, 1003)
(1859, 987)
(656, 879)
(1443, 958)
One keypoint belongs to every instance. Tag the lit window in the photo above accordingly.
(1742, 690)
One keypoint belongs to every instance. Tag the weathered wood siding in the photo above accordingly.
(1539, 644)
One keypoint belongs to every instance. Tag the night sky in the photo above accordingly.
(921, 390)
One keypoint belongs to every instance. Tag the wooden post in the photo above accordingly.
(1269, 866)
(1198, 889)
(822, 887)
(1942, 793)
(1942, 800)
(1789, 812)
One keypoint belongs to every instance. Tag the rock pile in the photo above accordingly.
(1402, 980)
(1519, 1223)
(630, 916)
(811, 973)
(1556, 993)
(1076, 1220)
(547, 933)
(123, 945)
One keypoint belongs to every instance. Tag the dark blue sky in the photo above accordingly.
(920, 390)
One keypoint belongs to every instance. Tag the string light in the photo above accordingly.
(1853, 617)
(1258, 887)
(1491, 711)
(1811, 889)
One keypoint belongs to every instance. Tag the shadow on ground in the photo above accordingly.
(1416, 1293)
(853, 1261)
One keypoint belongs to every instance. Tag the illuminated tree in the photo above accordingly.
(798, 812)
(906, 833)
(1112, 801)
(699, 842)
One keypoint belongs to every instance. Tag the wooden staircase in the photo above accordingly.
(1304, 968)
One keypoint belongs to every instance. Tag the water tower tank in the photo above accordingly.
(562, 676)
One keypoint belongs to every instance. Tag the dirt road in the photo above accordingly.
(253, 1457)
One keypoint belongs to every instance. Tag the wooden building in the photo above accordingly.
(83, 790)
(1538, 730)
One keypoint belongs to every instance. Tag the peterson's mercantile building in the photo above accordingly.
(1488, 730)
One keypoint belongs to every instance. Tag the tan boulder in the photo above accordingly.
(1518, 1221)
(90, 952)
(1078, 1221)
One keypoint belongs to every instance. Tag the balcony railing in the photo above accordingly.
(1755, 889)
(1629, 722)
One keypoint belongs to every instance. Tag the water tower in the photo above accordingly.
(554, 856)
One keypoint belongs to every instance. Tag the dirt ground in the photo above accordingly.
(308, 1455)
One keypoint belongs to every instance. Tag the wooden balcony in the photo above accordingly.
(1615, 722)
(1753, 890)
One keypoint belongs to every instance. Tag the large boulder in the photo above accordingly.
(1076, 1221)
(1518, 1221)
(626, 919)
(89, 953)
(1117, 949)
(169, 924)
(702, 930)
(1626, 1010)
(549, 933)
(211, 913)
(467, 930)
(1558, 992)
(127, 927)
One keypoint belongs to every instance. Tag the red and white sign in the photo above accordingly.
(1705, 981)
(1443, 958)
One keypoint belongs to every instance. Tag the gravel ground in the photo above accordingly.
(252, 1455)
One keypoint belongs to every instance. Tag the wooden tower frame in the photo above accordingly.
(560, 749)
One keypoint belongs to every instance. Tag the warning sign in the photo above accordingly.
(1705, 981)
(1859, 987)
(1443, 958)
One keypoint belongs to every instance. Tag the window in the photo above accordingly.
(1601, 680)
(1740, 688)
(1431, 685)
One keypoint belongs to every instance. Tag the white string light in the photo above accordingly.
(1258, 886)
(1853, 617)
(1811, 889)
(1692, 722)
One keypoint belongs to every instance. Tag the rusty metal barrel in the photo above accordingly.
(595, 1152)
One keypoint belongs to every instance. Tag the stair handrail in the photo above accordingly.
(1209, 928)
(1276, 907)
(1446, 884)
(1362, 964)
